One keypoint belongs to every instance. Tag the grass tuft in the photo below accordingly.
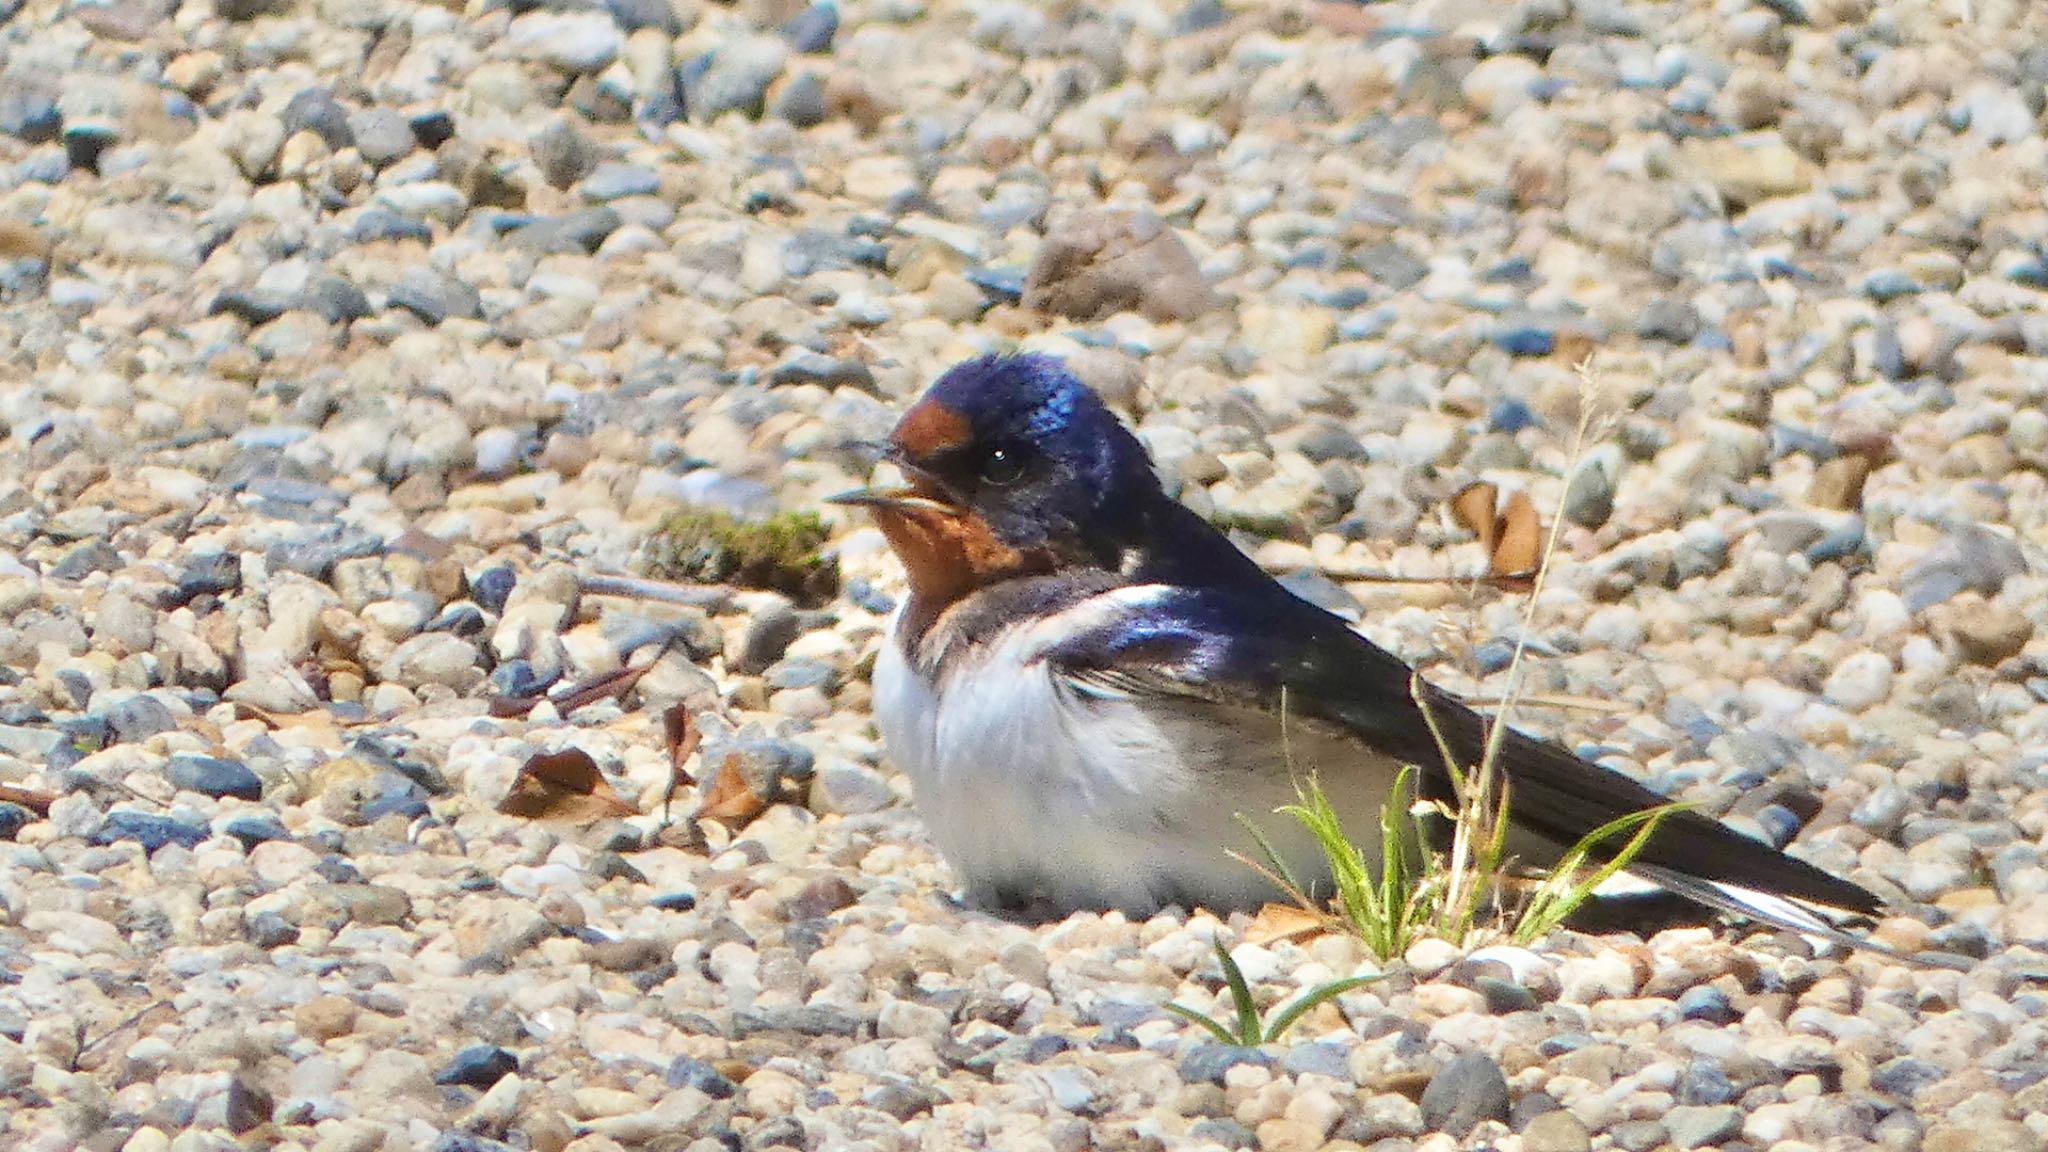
(1245, 1030)
(1460, 893)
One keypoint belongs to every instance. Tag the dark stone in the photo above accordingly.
(478, 1066)
(317, 556)
(335, 300)
(249, 307)
(492, 587)
(769, 634)
(433, 129)
(1393, 266)
(675, 901)
(1200, 16)
(802, 1019)
(86, 559)
(460, 619)
(434, 296)
(1002, 285)
(633, 15)
(379, 224)
(139, 717)
(780, 1132)
(455, 1140)
(563, 154)
(13, 818)
(83, 144)
(267, 930)
(808, 367)
(1525, 341)
(570, 234)
(149, 830)
(214, 776)
(690, 1072)
(1904, 1077)
(1530, 1107)
(802, 101)
(518, 680)
(1706, 1003)
(1207, 1062)
(1504, 997)
(1223, 1130)
(316, 110)
(1510, 416)
(812, 29)
(252, 830)
(1670, 319)
(821, 897)
(902, 1099)
(1468, 1090)
(248, 1107)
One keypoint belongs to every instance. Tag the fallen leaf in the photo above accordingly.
(565, 785)
(682, 738)
(1277, 922)
(1473, 509)
(728, 799)
(1518, 542)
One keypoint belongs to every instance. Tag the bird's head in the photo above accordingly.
(1012, 467)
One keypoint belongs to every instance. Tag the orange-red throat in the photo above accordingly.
(947, 550)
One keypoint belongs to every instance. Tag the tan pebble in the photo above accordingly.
(1284, 1135)
(324, 1018)
(1558, 1131)
(1985, 631)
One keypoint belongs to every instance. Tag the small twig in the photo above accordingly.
(682, 737)
(712, 596)
(36, 802)
(614, 683)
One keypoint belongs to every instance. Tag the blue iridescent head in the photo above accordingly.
(1027, 448)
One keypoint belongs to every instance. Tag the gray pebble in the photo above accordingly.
(382, 136)
(139, 717)
(435, 296)
(316, 110)
(214, 776)
(1469, 1089)
(733, 78)
(1701, 1126)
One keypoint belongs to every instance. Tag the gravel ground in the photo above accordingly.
(349, 339)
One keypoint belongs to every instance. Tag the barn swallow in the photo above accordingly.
(1091, 688)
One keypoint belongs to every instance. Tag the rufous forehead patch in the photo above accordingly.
(931, 427)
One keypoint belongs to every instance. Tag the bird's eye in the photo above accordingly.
(1002, 466)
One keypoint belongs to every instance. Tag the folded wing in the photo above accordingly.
(1242, 644)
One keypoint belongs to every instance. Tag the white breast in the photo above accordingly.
(1038, 793)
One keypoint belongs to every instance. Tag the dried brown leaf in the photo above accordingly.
(1517, 549)
(1276, 922)
(564, 785)
(729, 800)
(682, 738)
(1473, 509)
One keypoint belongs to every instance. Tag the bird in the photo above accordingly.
(1093, 691)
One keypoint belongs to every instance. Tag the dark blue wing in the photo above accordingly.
(1254, 643)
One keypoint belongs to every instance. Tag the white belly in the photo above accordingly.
(1041, 795)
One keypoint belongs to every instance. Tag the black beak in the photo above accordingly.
(899, 497)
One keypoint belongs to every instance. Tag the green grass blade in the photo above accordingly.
(1274, 860)
(1189, 1014)
(1559, 896)
(1241, 995)
(1317, 995)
